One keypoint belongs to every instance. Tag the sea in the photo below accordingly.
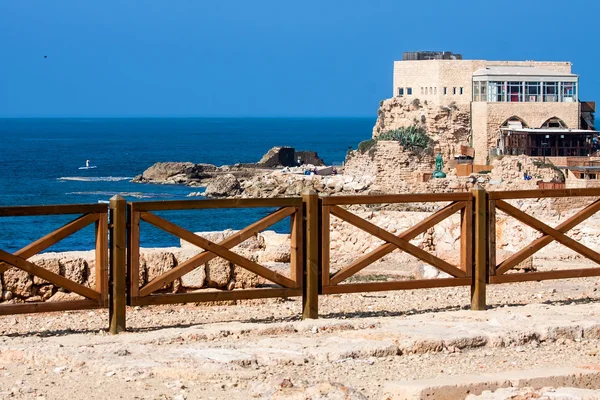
(41, 160)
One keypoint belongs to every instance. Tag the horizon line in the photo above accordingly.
(183, 117)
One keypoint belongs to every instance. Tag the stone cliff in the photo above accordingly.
(387, 166)
(448, 126)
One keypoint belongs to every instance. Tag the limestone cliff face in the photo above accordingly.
(387, 165)
(448, 126)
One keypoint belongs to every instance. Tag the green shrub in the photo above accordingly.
(412, 138)
(416, 103)
(366, 145)
(423, 119)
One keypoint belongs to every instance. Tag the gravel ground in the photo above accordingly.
(55, 355)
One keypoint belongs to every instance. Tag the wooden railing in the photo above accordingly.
(94, 297)
(498, 201)
(286, 286)
(458, 202)
(310, 272)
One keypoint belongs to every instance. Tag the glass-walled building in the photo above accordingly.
(523, 85)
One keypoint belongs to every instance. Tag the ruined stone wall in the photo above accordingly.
(510, 170)
(479, 131)
(447, 126)
(390, 167)
(575, 183)
(268, 248)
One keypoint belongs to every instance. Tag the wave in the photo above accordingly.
(138, 195)
(95, 178)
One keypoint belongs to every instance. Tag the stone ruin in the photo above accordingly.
(289, 157)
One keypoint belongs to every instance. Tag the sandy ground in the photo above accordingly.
(261, 349)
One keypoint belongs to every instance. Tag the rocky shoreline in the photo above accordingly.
(385, 167)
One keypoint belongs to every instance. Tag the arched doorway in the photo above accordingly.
(510, 143)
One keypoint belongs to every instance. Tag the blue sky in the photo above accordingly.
(263, 57)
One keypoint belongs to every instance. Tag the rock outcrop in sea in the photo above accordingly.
(186, 173)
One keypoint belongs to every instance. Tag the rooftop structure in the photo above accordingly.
(430, 55)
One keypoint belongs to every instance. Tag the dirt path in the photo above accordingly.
(262, 349)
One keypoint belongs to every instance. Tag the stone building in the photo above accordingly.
(516, 107)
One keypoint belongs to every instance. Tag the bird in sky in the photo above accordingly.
(45, 56)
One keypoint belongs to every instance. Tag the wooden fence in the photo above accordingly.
(90, 214)
(286, 287)
(459, 202)
(498, 201)
(310, 272)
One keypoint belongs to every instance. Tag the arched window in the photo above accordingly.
(554, 122)
(514, 122)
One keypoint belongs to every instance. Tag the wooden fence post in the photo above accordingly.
(310, 288)
(118, 248)
(479, 279)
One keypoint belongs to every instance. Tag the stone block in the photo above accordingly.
(74, 269)
(18, 282)
(157, 263)
(50, 264)
(218, 272)
(194, 279)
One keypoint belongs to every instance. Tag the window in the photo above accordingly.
(445, 91)
(421, 89)
(430, 90)
(408, 91)
(454, 91)
(554, 123)
(476, 86)
(400, 91)
(461, 91)
(496, 91)
(550, 91)
(532, 92)
(515, 91)
(568, 91)
(435, 90)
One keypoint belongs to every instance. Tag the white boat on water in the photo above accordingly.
(87, 165)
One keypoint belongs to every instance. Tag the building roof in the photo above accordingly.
(520, 71)
(550, 130)
(583, 168)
